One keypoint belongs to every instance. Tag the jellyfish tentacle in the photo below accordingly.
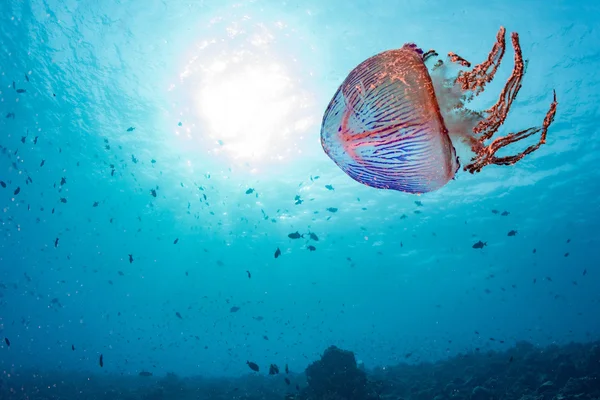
(428, 54)
(498, 112)
(485, 155)
(455, 58)
(476, 79)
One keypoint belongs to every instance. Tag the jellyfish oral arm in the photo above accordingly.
(474, 81)
(487, 156)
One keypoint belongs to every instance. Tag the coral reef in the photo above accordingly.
(336, 376)
(523, 372)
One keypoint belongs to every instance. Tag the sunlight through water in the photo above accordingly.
(244, 86)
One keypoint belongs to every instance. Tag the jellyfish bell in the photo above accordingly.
(384, 127)
(393, 122)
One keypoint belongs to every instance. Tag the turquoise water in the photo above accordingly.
(224, 98)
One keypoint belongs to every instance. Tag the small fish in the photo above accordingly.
(298, 200)
(287, 381)
(585, 272)
(512, 233)
(178, 315)
(329, 187)
(234, 309)
(332, 209)
(277, 253)
(287, 370)
(175, 241)
(35, 140)
(56, 242)
(26, 78)
(249, 274)
(153, 192)
(568, 240)
(504, 213)
(534, 251)
(250, 191)
(145, 373)
(253, 366)
(73, 347)
(273, 369)
(21, 90)
(2, 184)
(95, 204)
(63, 200)
(130, 129)
(42, 163)
(511, 359)
(295, 235)
(7, 341)
(566, 254)
(313, 237)
(479, 245)
(418, 203)
(63, 181)
(17, 191)
(311, 248)
(101, 361)
(130, 258)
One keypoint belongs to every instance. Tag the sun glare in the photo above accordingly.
(247, 93)
(247, 108)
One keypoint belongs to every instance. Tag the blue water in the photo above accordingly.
(224, 98)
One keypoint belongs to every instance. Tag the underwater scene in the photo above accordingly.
(299, 200)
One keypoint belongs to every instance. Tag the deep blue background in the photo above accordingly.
(378, 284)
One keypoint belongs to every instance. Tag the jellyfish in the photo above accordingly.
(394, 121)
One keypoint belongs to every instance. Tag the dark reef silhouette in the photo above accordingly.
(336, 376)
(523, 372)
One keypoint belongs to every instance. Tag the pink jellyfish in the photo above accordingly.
(392, 123)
